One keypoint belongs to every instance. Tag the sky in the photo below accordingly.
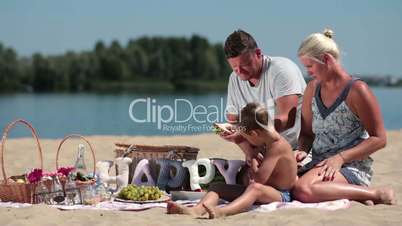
(369, 32)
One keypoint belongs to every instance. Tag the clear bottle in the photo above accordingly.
(57, 192)
(80, 161)
(72, 192)
(102, 193)
(41, 193)
(89, 195)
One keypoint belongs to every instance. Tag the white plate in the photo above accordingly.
(164, 198)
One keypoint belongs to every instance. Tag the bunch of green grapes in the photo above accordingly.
(140, 193)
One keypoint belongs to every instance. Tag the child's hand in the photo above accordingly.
(251, 175)
(230, 133)
(248, 161)
(232, 136)
(254, 165)
(259, 158)
(299, 155)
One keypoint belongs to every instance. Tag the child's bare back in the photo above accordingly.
(284, 174)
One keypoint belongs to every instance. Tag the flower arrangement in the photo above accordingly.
(65, 171)
(35, 176)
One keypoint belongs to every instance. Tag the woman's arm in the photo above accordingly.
(365, 105)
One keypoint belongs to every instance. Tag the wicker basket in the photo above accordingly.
(78, 183)
(17, 192)
(156, 152)
(139, 152)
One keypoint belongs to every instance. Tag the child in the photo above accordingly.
(271, 178)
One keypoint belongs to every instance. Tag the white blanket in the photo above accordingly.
(330, 205)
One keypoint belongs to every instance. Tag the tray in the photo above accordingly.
(164, 198)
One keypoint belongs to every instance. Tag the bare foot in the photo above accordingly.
(368, 203)
(213, 212)
(175, 208)
(386, 196)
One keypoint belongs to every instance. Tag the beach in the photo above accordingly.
(21, 154)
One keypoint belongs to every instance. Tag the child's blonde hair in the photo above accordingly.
(316, 44)
(254, 116)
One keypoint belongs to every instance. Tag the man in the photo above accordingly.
(275, 82)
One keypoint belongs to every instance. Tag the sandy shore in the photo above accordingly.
(21, 154)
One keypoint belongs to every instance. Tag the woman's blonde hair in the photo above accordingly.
(316, 44)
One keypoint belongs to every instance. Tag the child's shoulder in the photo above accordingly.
(280, 147)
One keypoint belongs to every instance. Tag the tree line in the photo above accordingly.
(144, 64)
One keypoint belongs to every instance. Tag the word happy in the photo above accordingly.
(228, 169)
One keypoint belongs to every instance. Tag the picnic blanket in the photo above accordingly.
(120, 206)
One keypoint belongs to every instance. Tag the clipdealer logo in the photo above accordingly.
(165, 114)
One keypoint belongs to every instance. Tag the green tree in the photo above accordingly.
(137, 60)
(44, 78)
(175, 61)
(9, 70)
(198, 47)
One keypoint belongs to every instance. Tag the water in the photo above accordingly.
(56, 115)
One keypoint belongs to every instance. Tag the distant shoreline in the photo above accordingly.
(185, 86)
(124, 136)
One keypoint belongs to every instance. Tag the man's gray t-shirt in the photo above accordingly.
(280, 77)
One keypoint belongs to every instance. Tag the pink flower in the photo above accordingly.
(34, 176)
(65, 170)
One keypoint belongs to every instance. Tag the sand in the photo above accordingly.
(21, 154)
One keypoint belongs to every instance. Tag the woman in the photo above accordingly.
(342, 125)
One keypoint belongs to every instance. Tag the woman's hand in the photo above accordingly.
(330, 166)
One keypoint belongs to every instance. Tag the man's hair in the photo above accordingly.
(253, 116)
(238, 43)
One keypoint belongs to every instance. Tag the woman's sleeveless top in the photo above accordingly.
(337, 129)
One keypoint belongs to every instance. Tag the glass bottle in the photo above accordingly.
(41, 193)
(72, 192)
(102, 193)
(89, 196)
(57, 192)
(79, 165)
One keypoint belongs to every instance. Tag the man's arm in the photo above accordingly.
(306, 137)
(287, 85)
(285, 114)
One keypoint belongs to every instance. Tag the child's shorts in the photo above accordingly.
(286, 196)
